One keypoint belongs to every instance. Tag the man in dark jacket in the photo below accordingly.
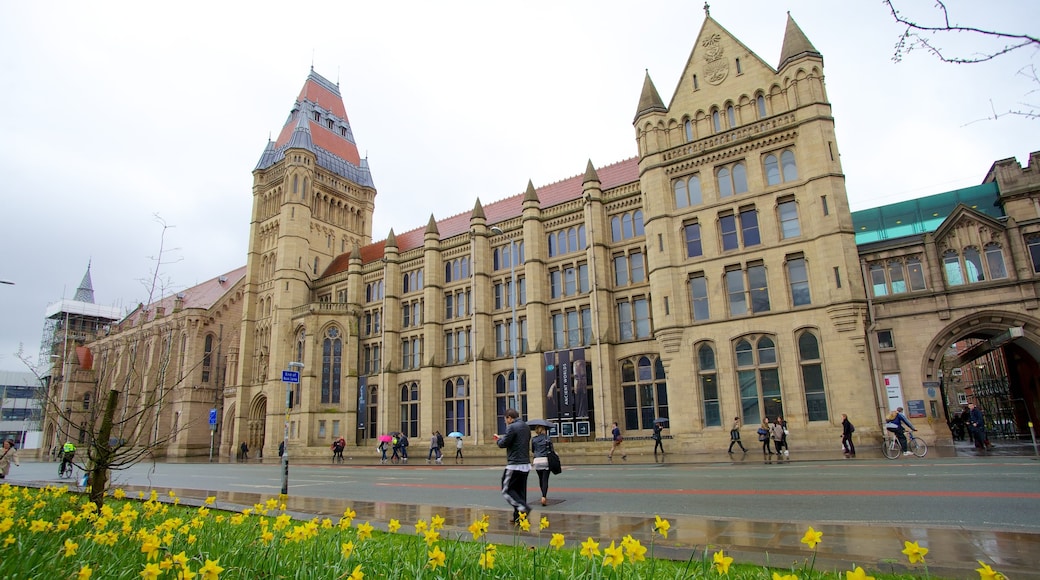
(517, 443)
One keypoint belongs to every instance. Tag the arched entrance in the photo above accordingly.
(256, 425)
(989, 358)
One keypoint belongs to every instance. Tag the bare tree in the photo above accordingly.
(933, 38)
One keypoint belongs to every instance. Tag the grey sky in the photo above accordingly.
(112, 112)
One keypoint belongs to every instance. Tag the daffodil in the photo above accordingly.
(811, 538)
(613, 556)
(70, 548)
(543, 523)
(478, 528)
(119, 493)
(987, 573)
(590, 548)
(84, 573)
(635, 551)
(857, 574)
(487, 560)
(432, 537)
(211, 570)
(721, 562)
(662, 526)
(778, 576)
(150, 546)
(393, 526)
(420, 527)
(357, 574)
(557, 541)
(914, 553)
(364, 531)
(436, 522)
(210, 500)
(151, 572)
(347, 549)
(180, 560)
(185, 573)
(524, 523)
(437, 558)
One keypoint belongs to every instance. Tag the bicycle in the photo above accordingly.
(65, 470)
(915, 445)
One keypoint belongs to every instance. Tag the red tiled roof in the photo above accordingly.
(313, 91)
(203, 296)
(569, 189)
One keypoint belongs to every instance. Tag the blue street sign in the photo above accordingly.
(290, 376)
(212, 416)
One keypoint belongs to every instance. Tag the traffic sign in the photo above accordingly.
(212, 416)
(290, 376)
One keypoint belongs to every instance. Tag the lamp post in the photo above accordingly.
(288, 378)
(514, 334)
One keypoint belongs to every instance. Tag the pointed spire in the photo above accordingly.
(431, 227)
(649, 100)
(530, 194)
(85, 292)
(355, 252)
(590, 173)
(796, 44)
(301, 136)
(391, 240)
(268, 157)
(478, 211)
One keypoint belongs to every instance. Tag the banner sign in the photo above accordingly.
(566, 393)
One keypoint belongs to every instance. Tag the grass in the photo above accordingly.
(53, 533)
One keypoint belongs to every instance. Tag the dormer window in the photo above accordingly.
(317, 116)
(330, 124)
(343, 131)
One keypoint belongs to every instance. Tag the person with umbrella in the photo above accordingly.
(384, 440)
(541, 444)
(517, 443)
(458, 445)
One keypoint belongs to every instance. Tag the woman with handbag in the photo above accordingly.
(541, 446)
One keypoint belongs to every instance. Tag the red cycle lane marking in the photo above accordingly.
(774, 492)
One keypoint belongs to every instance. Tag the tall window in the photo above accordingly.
(457, 269)
(207, 358)
(629, 269)
(410, 409)
(411, 352)
(566, 241)
(812, 376)
(634, 318)
(687, 191)
(645, 391)
(760, 106)
(896, 276)
(625, 226)
(699, 296)
(780, 169)
(1033, 243)
(504, 256)
(372, 360)
(509, 396)
(967, 267)
(709, 380)
(748, 229)
(331, 366)
(692, 233)
(995, 261)
(455, 349)
(746, 289)
(759, 378)
(798, 278)
(688, 129)
(505, 334)
(456, 406)
(732, 180)
(789, 226)
(572, 328)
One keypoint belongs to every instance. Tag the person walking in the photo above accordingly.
(11, 454)
(617, 439)
(894, 423)
(656, 436)
(780, 437)
(734, 436)
(517, 443)
(337, 449)
(765, 431)
(382, 450)
(977, 426)
(436, 442)
(458, 450)
(541, 444)
(243, 450)
(847, 429)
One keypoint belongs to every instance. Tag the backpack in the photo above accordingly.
(404, 441)
(440, 440)
(852, 428)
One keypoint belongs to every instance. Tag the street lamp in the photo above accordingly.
(514, 335)
(293, 367)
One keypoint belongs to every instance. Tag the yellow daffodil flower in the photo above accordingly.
(478, 528)
(437, 558)
(635, 551)
(119, 493)
(347, 549)
(151, 572)
(70, 548)
(811, 538)
(662, 526)
(84, 573)
(185, 574)
(393, 526)
(436, 522)
(857, 574)
(487, 560)
(524, 524)
(557, 541)
(777, 576)
(543, 523)
(721, 562)
(420, 527)
(590, 548)
(357, 574)
(987, 573)
(613, 556)
(211, 500)
(211, 570)
(914, 553)
(432, 537)
(364, 531)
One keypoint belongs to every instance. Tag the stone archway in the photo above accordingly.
(256, 426)
(227, 444)
(1009, 401)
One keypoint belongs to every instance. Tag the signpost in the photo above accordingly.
(290, 378)
(212, 431)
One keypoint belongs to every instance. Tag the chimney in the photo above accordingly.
(178, 302)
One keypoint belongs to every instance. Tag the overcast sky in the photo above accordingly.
(114, 112)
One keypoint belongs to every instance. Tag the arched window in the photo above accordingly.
(732, 180)
(790, 170)
(758, 377)
(509, 396)
(952, 267)
(995, 261)
(731, 116)
(645, 391)
(456, 405)
(331, 366)
(716, 120)
(410, 409)
(760, 103)
(812, 376)
(973, 264)
(709, 380)
(207, 358)
(688, 128)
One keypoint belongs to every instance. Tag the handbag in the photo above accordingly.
(554, 462)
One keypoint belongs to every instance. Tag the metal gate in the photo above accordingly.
(993, 396)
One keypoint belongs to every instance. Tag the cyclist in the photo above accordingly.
(894, 423)
(68, 450)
